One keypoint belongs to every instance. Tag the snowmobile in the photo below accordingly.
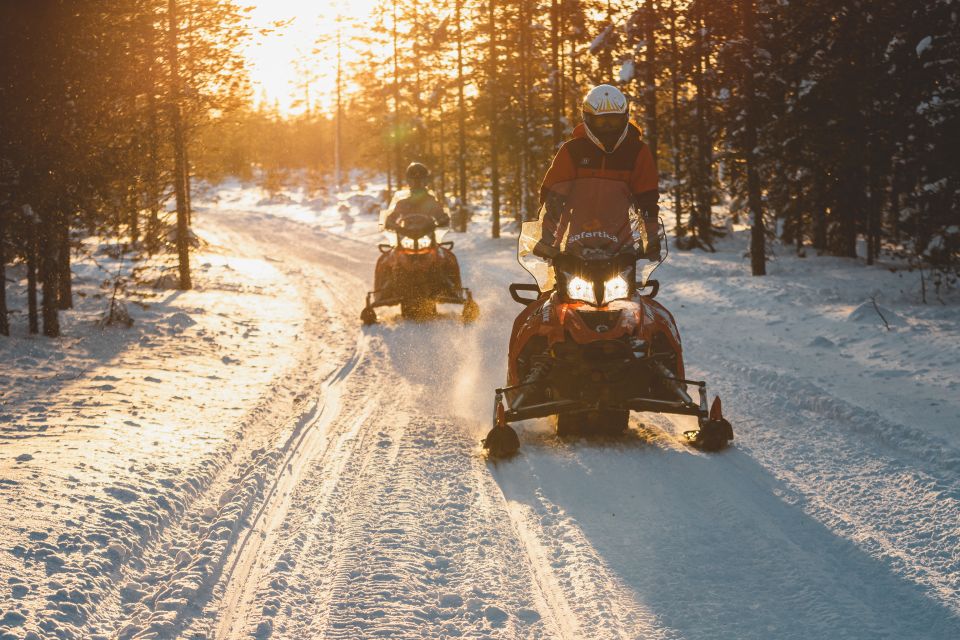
(416, 270)
(592, 343)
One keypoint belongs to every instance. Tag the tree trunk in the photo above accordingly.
(872, 200)
(153, 239)
(650, 80)
(758, 255)
(819, 195)
(49, 274)
(675, 121)
(461, 129)
(523, 177)
(187, 179)
(338, 139)
(494, 143)
(555, 83)
(703, 175)
(179, 151)
(395, 134)
(574, 84)
(32, 314)
(4, 318)
(65, 297)
(133, 215)
(418, 148)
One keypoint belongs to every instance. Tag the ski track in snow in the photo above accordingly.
(253, 553)
(366, 509)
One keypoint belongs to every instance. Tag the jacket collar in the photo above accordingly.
(581, 131)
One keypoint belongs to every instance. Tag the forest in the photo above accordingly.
(828, 126)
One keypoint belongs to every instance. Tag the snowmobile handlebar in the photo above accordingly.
(517, 287)
(655, 285)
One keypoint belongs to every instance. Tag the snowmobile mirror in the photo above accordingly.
(448, 245)
(517, 287)
(384, 248)
(653, 284)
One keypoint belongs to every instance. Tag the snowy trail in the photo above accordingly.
(407, 532)
(358, 503)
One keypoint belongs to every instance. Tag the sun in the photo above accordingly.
(280, 61)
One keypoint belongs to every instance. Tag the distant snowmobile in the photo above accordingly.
(593, 344)
(417, 271)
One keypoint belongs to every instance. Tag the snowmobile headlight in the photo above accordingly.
(423, 242)
(408, 243)
(580, 289)
(615, 289)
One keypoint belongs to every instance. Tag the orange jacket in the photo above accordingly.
(581, 157)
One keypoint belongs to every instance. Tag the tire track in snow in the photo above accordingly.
(412, 541)
(582, 595)
(252, 556)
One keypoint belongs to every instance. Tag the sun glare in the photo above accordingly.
(279, 61)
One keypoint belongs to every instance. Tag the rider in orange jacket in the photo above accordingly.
(607, 145)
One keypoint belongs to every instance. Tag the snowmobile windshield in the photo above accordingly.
(584, 215)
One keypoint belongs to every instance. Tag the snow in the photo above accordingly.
(602, 40)
(627, 71)
(246, 461)
(923, 45)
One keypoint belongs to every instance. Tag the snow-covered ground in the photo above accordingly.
(246, 460)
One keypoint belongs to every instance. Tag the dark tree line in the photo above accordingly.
(823, 122)
(99, 104)
(828, 124)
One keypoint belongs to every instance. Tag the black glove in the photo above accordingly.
(544, 250)
(554, 204)
(653, 248)
(646, 204)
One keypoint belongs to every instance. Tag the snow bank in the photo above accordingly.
(108, 435)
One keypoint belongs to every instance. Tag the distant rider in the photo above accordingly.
(605, 145)
(417, 201)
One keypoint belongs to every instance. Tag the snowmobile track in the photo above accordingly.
(582, 596)
(252, 555)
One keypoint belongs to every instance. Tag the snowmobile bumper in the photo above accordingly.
(463, 296)
(392, 298)
(713, 434)
(541, 410)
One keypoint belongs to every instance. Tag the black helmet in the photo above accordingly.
(417, 174)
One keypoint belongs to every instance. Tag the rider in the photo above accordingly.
(605, 145)
(418, 201)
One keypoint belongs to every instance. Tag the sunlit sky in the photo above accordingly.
(272, 66)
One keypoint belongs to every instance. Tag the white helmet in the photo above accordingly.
(606, 114)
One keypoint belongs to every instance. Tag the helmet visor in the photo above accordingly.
(608, 123)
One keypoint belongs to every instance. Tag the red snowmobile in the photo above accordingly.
(592, 343)
(417, 271)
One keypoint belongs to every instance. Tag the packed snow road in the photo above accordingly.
(822, 521)
(836, 514)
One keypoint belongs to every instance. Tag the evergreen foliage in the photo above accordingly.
(827, 123)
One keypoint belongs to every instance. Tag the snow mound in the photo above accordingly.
(179, 320)
(317, 204)
(276, 199)
(364, 203)
(868, 312)
(822, 343)
(167, 280)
